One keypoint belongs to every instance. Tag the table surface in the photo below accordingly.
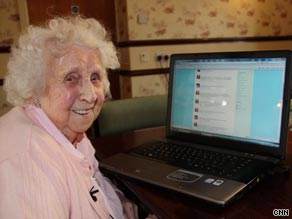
(274, 192)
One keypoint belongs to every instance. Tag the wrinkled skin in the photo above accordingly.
(75, 92)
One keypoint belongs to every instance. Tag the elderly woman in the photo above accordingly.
(57, 82)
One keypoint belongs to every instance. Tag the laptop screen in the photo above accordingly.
(230, 97)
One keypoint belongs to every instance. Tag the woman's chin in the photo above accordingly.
(81, 128)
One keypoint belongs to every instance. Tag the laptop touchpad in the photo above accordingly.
(184, 176)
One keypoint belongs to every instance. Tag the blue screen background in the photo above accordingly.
(267, 93)
(266, 96)
(183, 97)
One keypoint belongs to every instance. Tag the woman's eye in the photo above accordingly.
(95, 77)
(71, 78)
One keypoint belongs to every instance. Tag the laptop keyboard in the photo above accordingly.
(194, 159)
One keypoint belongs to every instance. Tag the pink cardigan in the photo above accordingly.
(43, 176)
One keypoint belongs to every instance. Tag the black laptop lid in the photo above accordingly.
(236, 100)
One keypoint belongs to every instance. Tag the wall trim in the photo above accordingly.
(136, 43)
(4, 49)
(144, 72)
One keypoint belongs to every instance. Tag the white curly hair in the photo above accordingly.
(25, 78)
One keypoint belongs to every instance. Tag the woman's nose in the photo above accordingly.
(88, 93)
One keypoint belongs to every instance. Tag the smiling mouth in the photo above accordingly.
(82, 112)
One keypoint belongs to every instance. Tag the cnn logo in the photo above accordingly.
(281, 212)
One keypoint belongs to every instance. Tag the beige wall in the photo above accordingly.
(9, 22)
(13, 19)
(157, 84)
(173, 19)
(133, 61)
(192, 19)
(9, 29)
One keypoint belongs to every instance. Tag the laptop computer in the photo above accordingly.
(230, 103)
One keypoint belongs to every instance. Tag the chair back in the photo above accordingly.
(124, 115)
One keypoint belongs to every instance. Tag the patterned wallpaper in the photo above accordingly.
(12, 20)
(194, 19)
(173, 19)
(9, 22)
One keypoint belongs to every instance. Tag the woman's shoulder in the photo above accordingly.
(20, 136)
(15, 115)
(15, 132)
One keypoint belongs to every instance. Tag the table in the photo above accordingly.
(275, 192)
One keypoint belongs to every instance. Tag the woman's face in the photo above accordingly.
(75, 90)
